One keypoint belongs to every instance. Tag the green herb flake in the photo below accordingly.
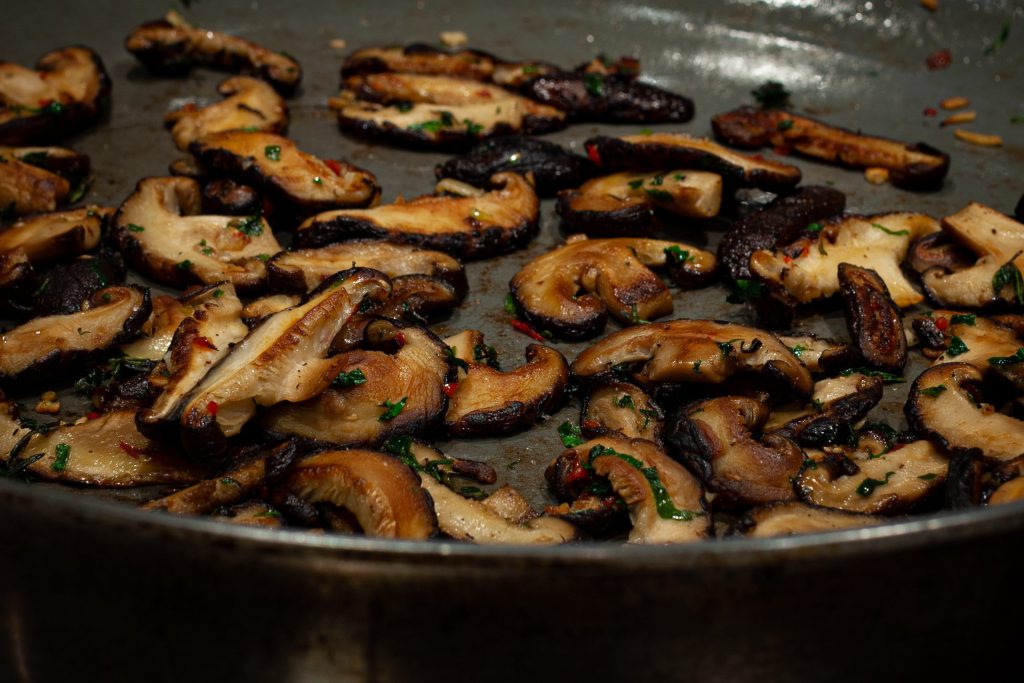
(821, 248)
(1009, 275)
(886, 377)
(964, 319)
(352, 378)
(784, 125)
(818, 406)
(250, 225)
(696, 366)
(392, 410)
(1017, 119)
(934, 392)
(745, 290)
(594, 84)
(100, 277)
(530, 68)
(887, 231)
(633, 316)
(570, 434)
(266, 257)
(814, 227)
(472, 492)
(658, 195)
(625, 401)
(798, 350)
(663, 503)
(60, 462)
(184, 265)
(453, 358)
(868, 486)
(447, 118)
(485, 353)
(317, 180)
(132, 227)
(218, 293)
(956, 347)
(1017, 357)
(1000, 40)
(636, 183)
(510, 305)
(269, 512)
(228, 481)
(677, 256)
(927, 477)
(272, 152)
(771, 95)
(403, 106)
(472, 127)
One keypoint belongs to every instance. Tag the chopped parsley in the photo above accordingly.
(658, 195)
(403, 106)
(570, 434)
(745, 290)
(484, 353)
(633, 316)
(132, 227)
(472, 127)
(454, 359)
(218, 293)
(1017, 357)
(887, 231)
(934, 392)
(663, 503)
(814, 227)
(1008, 274)
(798, 350)
(956, 347)
(868, 486)
(1000, 40)
(594, 84)
(696, 366)
(204, 248)
(272, 152)
(351, 378)
(636, 183)
(250, 225)
(887, 377)
(317, 180)
(927, 477)
(784, 125)
(63, 452)
(677, 256)
(392, 410)
(771, 95)
(649, 415)
(625, 401)
(963, 319)
(510, 305)
(184, 265)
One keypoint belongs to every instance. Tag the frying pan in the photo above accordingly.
(98, 590)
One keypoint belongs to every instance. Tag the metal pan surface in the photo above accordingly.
(98, 588)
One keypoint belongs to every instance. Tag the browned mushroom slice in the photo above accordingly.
(807, 270)
(419, 58)
(676, 150)
(201, 341)
(871, 478)
(821, 354)
(623, 408)
(172, 45)
(232, 486)
(872, 317)
(790, 519)
(487, 401)
(828, 417)
(719, 439)
(66, 92)
(375, 394)
(502, 518)
(610, 98)
(258, 309)
(778, 223)
(939, 249)
(702, 351)
(949, 336)
(46, 346)
(438, 111)
(56, 236)
(995, 277)
(626, 202)
(249, 513)
(1008, 482)
(572, 289)
(38, 179)
(303, 269)
(156, 333)
(496, 222)
(945, 407)
(665, 502)
(249, 104)
(384, 495)
(918, 166)
(282, 360)
(1008, 492)
(225, 196)
(276, 164)
(161, 233)
(106, 451)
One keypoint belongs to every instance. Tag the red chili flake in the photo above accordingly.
(939, 59)
(931, 111)
(92, 415)
(941, 323)
(204, 343)
(520, 326)
(400, 339)
(449, 388)
(781, 150)
(594, 155)
(577, 474)
(132, 451)
(212, 407)
(787, 260)
(333, 165)
(806, 250)
(591, 425)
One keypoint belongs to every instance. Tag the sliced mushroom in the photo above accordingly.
(807, 269)
(591, 96)
(945, 407)
(232, 486)
(281, 360)
(949, 336)
(56, 236)
(777, 224)
(67, 91)
(626, 203)
(1008, 481)
(63, 289)
(939, 249)
(161, 233)
(701, 351)
(438, 111)
(419, 58)
(836, 404)
(414, 299)
(793, 518)
(156, 333)
(553, 167)
(719, 438)
(572, 289)
(495, 222)
(995, 277)
(105, 451)
(276, 165)
(874, 479)
(665, 502)
(375, 394)
(38, 179)
(623, 408)
(487, 401)
(917, 167)
(258, 309)
(44, 347)
(249, 104)
(225, 196)
(676, 150)
(172, 45)
(874, 320)
(301, 270)
(502, 518)
(383, 494)
(821, 354)
(201, 341)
